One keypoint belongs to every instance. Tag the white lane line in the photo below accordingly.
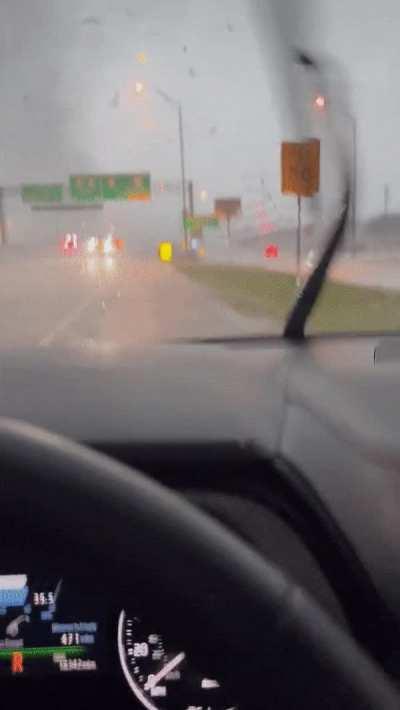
(65, 323)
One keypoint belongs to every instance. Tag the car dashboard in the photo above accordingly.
(73, 629)
(73, 637)
(64, 623)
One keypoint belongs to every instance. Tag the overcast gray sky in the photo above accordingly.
(68, 101)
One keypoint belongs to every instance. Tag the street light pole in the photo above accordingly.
(178, 106)
(183, 175)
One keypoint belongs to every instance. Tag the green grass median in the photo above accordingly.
(259, 293)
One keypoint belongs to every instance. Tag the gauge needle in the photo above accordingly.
(57, 590)
(153, 680)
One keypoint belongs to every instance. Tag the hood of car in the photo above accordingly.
(178, 393)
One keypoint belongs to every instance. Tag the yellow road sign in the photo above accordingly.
(165, 251)
(300, 168)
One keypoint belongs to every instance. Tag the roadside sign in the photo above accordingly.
(167, 186)
(227, 207)
(165, 251)
(111, 187)
(300, 168)
(42, 193)
(200, 221)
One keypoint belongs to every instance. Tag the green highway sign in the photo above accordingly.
(42, 193)
(111, 187)
(196, 222)
(126, 187)
(86, 187)
(116, 187)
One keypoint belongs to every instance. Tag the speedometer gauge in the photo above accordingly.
(159, 674)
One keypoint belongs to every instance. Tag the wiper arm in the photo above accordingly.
(295, 324)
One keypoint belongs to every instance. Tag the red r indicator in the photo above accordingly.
(17, 662)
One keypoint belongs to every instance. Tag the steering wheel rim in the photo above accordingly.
(306, 656)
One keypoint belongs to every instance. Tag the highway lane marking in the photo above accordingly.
(66, 322)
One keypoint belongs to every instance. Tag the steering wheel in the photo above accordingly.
(286, 648)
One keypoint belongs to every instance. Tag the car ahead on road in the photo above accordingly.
(104, 246)
(70, 244)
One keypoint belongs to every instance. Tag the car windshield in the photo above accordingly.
(173, 169)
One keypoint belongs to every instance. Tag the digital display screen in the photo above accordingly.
(47, 626)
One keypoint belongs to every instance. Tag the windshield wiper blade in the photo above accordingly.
(296, 322)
